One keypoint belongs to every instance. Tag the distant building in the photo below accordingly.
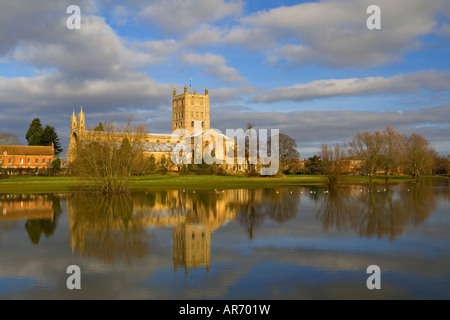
(352, 165)
(32, 157)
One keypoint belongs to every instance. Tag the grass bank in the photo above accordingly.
(64, 184)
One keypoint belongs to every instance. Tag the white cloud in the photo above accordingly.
(120, 15)
(334, 32)
(413, 82)
(214, 65)
(181, 16)
(205, 35)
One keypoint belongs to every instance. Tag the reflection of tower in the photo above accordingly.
(190, 111)
(77, 129)
(191, 246)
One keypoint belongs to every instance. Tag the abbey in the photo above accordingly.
(190, 118)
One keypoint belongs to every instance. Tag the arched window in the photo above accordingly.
(203, 124)
(192, 124)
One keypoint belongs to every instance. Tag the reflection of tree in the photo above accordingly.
(38, 227)
(278, 205)
(105, 227)
(377, 212)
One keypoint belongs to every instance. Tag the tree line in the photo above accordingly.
(380, 151)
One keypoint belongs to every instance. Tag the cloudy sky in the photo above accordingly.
(311, 69)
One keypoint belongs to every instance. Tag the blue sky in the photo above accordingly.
(309, 68)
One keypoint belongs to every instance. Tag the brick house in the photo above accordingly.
(33, 157)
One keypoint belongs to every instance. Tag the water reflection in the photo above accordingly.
(119, 228)
(107, 228)
(41, 213)
(257, 205)
(380, 212)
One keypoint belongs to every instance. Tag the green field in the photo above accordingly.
(64, 184)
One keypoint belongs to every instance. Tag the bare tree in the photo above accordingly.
(368, 147)
(393, 150)
(8, 139)
(332, 166)
(287, 150)
(106, 159)
(419, 155)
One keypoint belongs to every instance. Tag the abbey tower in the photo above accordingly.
(190, 111)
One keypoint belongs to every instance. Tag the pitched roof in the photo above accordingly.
(27, 150)
(211, 131)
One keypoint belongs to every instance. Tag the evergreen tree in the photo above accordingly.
(34, 133)
(50, 136)
(38, 136)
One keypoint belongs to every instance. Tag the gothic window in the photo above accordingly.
(36, 161)
(192, 124)
(28, 161)
(9, 160)
(43, 161)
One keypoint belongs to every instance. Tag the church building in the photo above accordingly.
(190, 119)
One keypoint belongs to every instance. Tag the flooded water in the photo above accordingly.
(282, 243)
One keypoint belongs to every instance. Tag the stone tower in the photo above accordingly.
(190, 111)
(77, 129)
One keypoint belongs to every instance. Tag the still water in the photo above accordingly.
(282, 243)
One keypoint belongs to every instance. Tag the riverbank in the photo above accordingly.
(65, 184)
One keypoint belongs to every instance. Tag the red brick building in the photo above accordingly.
(13, 157)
